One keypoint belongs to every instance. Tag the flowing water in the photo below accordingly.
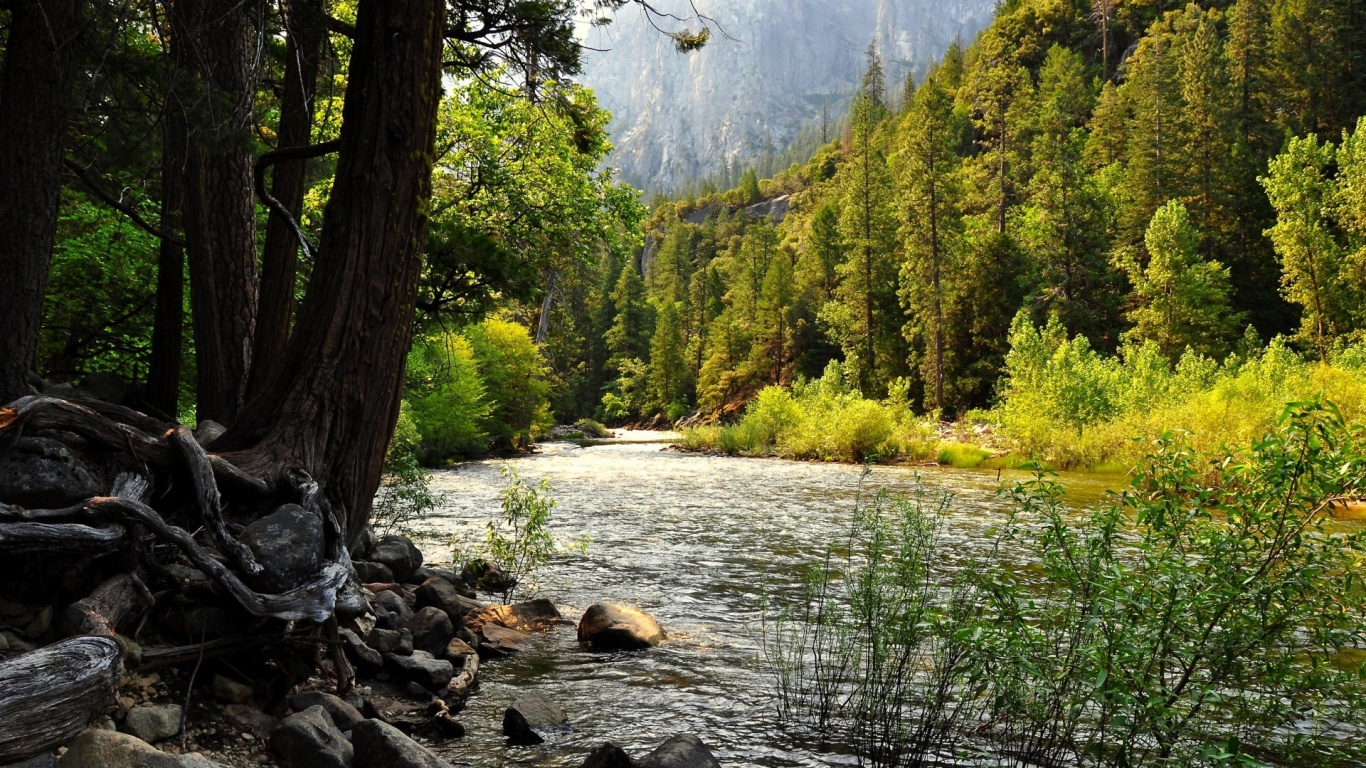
(695, 541)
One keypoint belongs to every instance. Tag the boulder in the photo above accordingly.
(152, 724)
(372, 573)
(399, 554)
(682, 751)
(608, 755)
(98, 748)
(499, 640)
(611, 627)
(367, 659)
(439, 593)
(421, 668)
(486, 576)
(251, 719)
(207, 431)
(458, 649)
(343, 715)
(380, 745)
(392, 608)
(45, 760)
(532, 616)
(386, 641)
(532, 717)
(309, 739)
(289, 544)
(41, 473)
(431, 629)
(228, 690)
(428, 572)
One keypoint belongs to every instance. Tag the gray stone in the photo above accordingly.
(611, 627)
(45, 760)
(399, 554)
(440, 593)
(682, 751)
(289, 544)
(432, 629)
(251, 719)
(152, 724)
(208, 431)
(343, 714)
(422, 668)
(351, 599)
(41, 473)
(429, 572)
(366, 659)
(99, 748)
(399, 641)
(608, 755)
(309, 739)
(372, 573)
(500, 640)
(533, 717)
(365, 541)
(230, 691)
(380, 745)
(395, 606)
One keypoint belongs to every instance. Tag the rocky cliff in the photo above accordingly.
(770, 69)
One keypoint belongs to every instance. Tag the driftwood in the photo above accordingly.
(459, 686)
(50, 695)
(109, 607)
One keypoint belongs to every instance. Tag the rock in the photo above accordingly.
(365, 541)
(372, 573)
(352, 599)
(289, 544)
(682, 751)
(439, 593)
(152, 724)
(343, 714)
(428, 572)
(431, 629)
(99, 748)
(367, 659)
(15, 643)
(608, 755)
(532, 616)
(41, 473)
(380, 745)
(208, 431)
(611, 627)
(458, 649)
(393, 604)
(309, 739)
(41, 623)
(422, 668)
(45, 760)
(532, 717)
(388, 641)
(251, 719)
(486, 576)
(399, 554)
(230, 691)
(500, 640)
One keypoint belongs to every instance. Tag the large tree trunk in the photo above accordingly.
(307, 26)
(332, 411)
(163, 379)
(220, 39)
(35, 99)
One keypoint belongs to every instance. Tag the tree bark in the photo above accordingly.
(163, 378)
(49, 696)
(307, 24)
(332, 411)
(219, 209)
(35, 102)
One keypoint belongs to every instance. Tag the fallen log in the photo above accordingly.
(49, 696)
(112, 605)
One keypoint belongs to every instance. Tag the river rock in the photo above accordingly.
(99, 748)
(486, 576)
(499, 640)
(608, 755)
(41, 473)
(251, 719)
(532, 616)
(612, 627)
(439, 593)
(343, 715)
(309, 739)
(370, 572)
(682, 751)
(45, 760)
(152, 724)
(431, 628)
(289, 544)
(457, 650)
(367, 659)
(386, 641)
(399, 554)
(532, 717)
(228, 690)
(421, 668)
(428, 572)
(392, 609)
(380, 745)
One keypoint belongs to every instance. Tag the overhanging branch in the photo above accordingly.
(290, 153)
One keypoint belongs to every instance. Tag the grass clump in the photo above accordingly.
(961, 456)
(593, 429)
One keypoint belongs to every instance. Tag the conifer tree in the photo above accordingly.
(776, 316)
(629, 336)
(668, 370)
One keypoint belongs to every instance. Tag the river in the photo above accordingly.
(695, 541)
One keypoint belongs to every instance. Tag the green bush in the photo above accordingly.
(405, 494)
(593, 429)
(516, 379)
(446, 397)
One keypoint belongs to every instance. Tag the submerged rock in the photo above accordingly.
(532, 717)
(608, 755)
(611, 627)
(682, 751)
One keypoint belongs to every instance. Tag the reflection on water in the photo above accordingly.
(695, 541)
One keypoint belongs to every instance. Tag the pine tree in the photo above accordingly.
(668, 369)
(1180, 301)
(824, 251)
(749, 187)
(776, 301)
(1208, 130)
(629, 336)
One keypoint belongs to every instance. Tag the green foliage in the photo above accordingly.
(405, 495)
(1208, 616)
(446, 398)
(514, 373)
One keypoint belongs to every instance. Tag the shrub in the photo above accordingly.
(515, 377)
(405, 495)
(592, 429)
(447, 400)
